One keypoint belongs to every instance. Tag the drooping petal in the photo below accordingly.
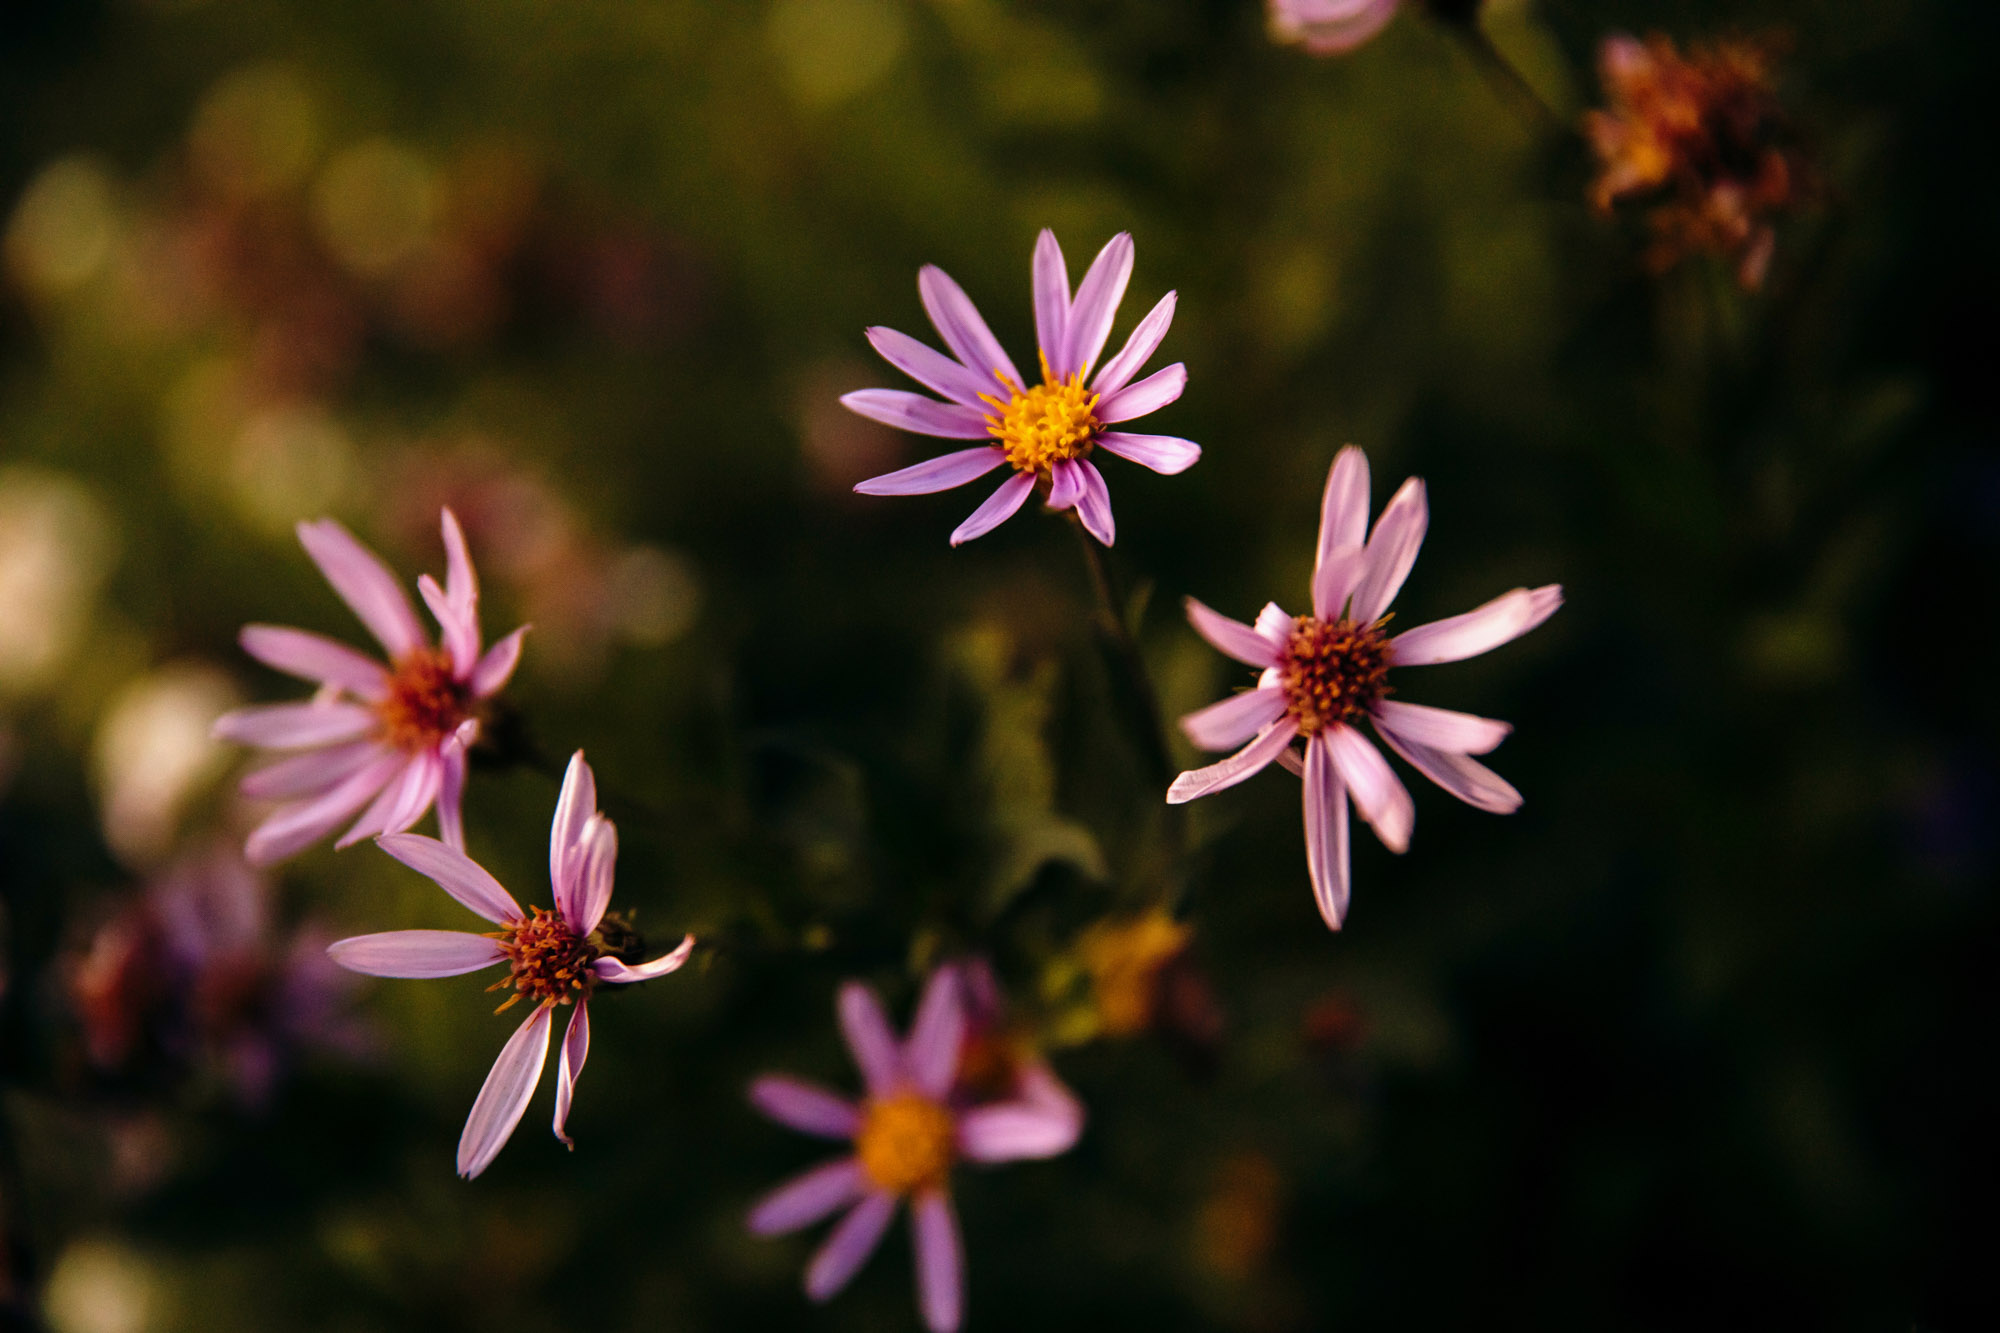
(849, 1246)
(294, 827)
(1439, 728)
(458, 628)
(1378, 793)
(806, 1107)
(1464, 777)
(959, 323)
(1094, 505)
(576, 803)
(1145, 340)
(806, 1199)
(1226, 725)
(621, 973)
(402, 802)
(294, 726)
(936, 474)
(999, 507)
(877, 1053)
(1245, 763)
(1343, 509)
(315, 657)
(1065, 483)
(416, 953)
(456, 873)
(504, 1097)
(1392, 550)
(1096, 305)
(1148, 395)
(311, 772)
(930, 1056)
(933, 369)
(569, 1064)
(451, 795)
(1505, 618)
(366, 585)
(1051, 290)
(1019, 1130)
(1231, 637)
(1326, 833)
(496, 668)
(592, 891)
(914, 412)
(940, 1258)
(1165, 454)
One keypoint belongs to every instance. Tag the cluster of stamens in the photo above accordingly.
(1333, 671)
(1043, 426)
(426, 701)
(905, 1142)
(547, 962)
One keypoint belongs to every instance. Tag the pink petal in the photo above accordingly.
(850, 1245)
(1275, 626)
(936, 474)
(316, 658)
(876, 1051)
(592, 892)
(1051, 288)
(940, 1261)
(569, 1064)
(451, 797)
(366, 585)
(458, 628)
(1231, 637)
(806, 1199)
(1439, 728)
(505, 1096)
(1378, 793)
(311, 772)
(1335, 580)
(1017, 1131)
(1251, 759)
(1505, 618)
(415, 953)
(914, 412)
(1466, 778)
(1145, 340)
(1165, 454)
(930, 1056)
(294, 726)
(1148, 395)
(1343, 509)
(958, 322)
(1226, 725)
(293, 828)
(460, 580)
(999, 507)
(1332, 27)
(497, 667)
(456, 873)
(619, 973)
(1326, 833)
(806, 1107)
(402, 802)
(1096, 305)
(934, 370)
(1392, 550)
(1094, 505)
(576, 803)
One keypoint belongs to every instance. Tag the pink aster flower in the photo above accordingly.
(1046, 432)
(1330, 27)
(1326, 672)
(555, 958)
(908, 1130)
(389, 738)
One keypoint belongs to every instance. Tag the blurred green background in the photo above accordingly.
(1694, 1039)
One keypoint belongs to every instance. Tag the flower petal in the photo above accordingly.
(958, 322)
(1148, 395)
(932, 368)
(366, 585)
(1051, 290)
(1094, 505)
(874, 1046)
(1392, 550)
(294, 726)
(936, 474)
(315, 657)
(592, 893)
(461, 582)
(1019, 1130)
(456, 873)
(1439, 728)
(505, 1095)
(1464, 777)
(930, 1056)
(1165, 454)
(308, 773)
(451, 795)
(1326, 833)
(1275, 626)
(1335, 580)
(496, 668)
(1226, 725)
(940, 1257)
(620, 973)
(458, 628)
(914, 412)
(569, 1064)
(575, 804)
(852, 1241)
(1378, 793)
(1246, 762)
(1145, 340)
(402, 802)
(806, 1107)
(1231, 637)
(294, 827)
(806, 1199)
(415, 953)
(1065, 484)
(999, 507)
(1505, 618)
(1096, 304)
(1343, 509)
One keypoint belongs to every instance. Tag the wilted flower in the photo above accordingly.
(1329, 27)
(1324, 673)
(391, 738)
(1701, 140)
(554, 958)
(1046, 432)
(908, 1130)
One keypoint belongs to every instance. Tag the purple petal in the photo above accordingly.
(294, 726)
(1094, 505)
(1275, 626)
(366, 585)
(1165, 454)
(1506, 617)
(458, 628)
(592, 893)
(806, 1199)
(1332, 26)
(416, 953)
(619, 973)
(999, 507)
(1148, 395)
(460, 581)
(1343, 509)
(1439, 728)
(806, 1107)
(1392, 549)
(959, 323)
(936, 474)
(876, 1051)
(1065, 484)
(504, 1097)
(497, 667)
(1097, 298)
(1464, 777)
(1378, 793)
(930, 1056)
(914, 412)
(569, 1064)
(1226, 725)
(451, 797)
(1326, 833)
(456, 873)
(934, 370)
(1231, 637)
(402, 802)
(311, 772)
(1246, 762)
(576, 803)
(1017, 1131)
(850, 1245)
(1051, 288)
(316, 658)
(940, 1261)
(293, 828)
(1145, 340)
(1335, 580)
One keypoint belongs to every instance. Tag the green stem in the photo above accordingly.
(1505, 78)
(1138, 699)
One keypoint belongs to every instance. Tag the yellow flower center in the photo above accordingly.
(1042, 426)
(1334, 671)
(1125, 960)
(905, 1142)
(548, 962)
(425, 702)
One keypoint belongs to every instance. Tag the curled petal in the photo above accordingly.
(1148, 395)
(456, 873)
(999, 507)
(876, 1051)
(1326, 833)
(930, 1056)
(806, 1107)
(294, 726)
(365, 584)
(1392, 550)
(1051, 290)
(959, 323)
(1464, 777)
(914, 412)
(613, 970)
(1439, 728)
(931, 368)
(1232, 637)
(569, 1064)
(415, 953)
(806, 1199)
(936, 474)
(1016, 1131)
(316, 658)
(1378, 793)
(504, 1097)
(1093, 506)
(940, 1257)
(458, 627)
(1245, 763)
(1145, 340)
(1225, 725)
(1505, 618)
(852, 1241)
(1165, 454)
(1096, 305)
(1065, 483)
(496, 668)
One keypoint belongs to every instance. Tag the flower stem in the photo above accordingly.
(1505, 77)
(1137, 699)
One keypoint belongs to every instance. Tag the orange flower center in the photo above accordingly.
(548, 962)
(906, 1142)
(1043, 426)
(425, 703)
(1333, 671)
